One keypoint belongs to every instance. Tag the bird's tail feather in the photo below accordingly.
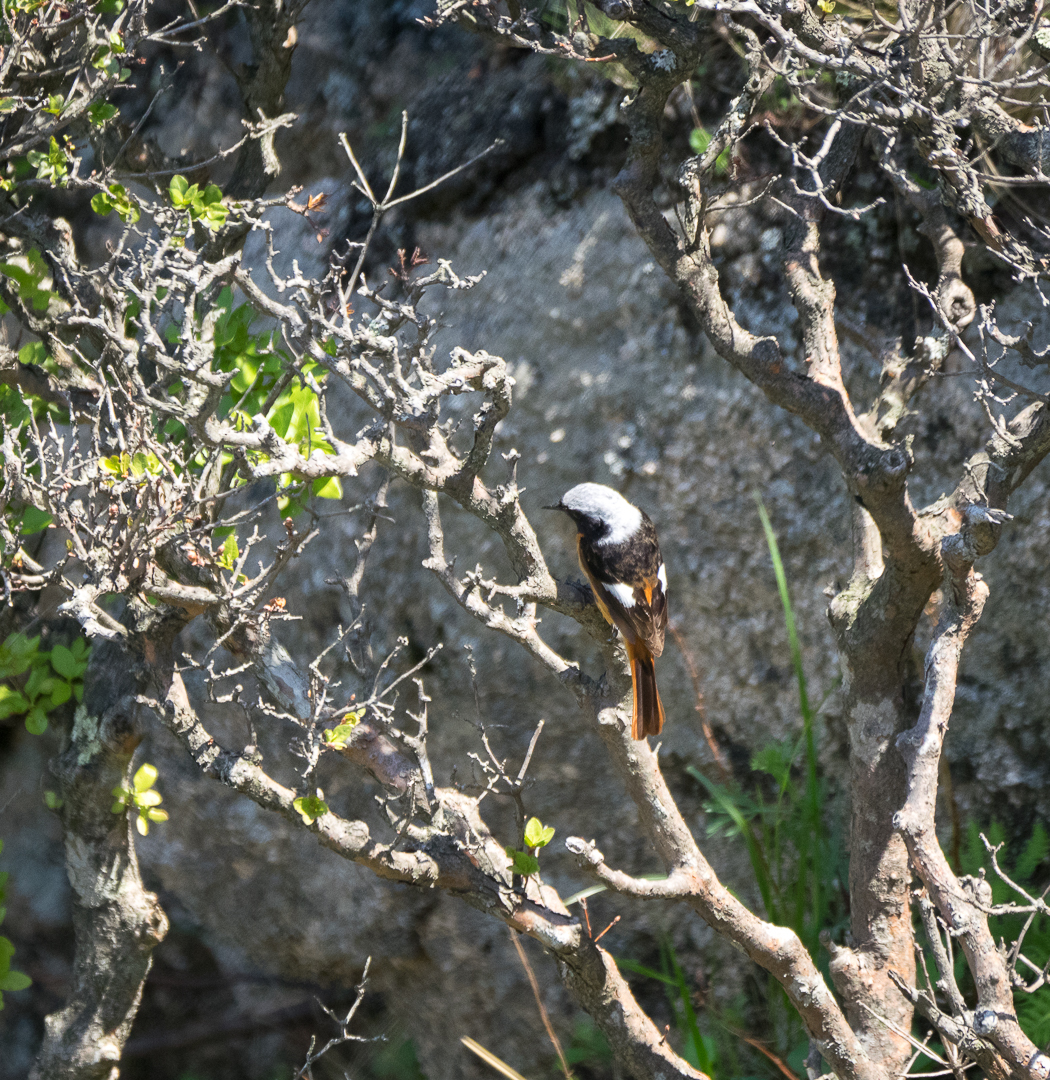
(648, 717)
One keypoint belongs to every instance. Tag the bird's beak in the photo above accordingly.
(556, 506)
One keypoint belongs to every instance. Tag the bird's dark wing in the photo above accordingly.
(648, 613)
(637, 609)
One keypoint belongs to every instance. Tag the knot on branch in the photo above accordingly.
(980, 531)
(985, 1021)
(586, 852)
(882, 472)
(847, 968)
(976, 890)
(618, 10)
(955, 302)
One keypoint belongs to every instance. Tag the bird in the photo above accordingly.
(620, 556)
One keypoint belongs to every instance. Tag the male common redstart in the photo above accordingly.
(620, 556)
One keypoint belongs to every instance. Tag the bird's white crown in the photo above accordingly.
(608, 506)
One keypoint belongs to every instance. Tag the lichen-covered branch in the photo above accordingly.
(456, 853)
(960, 901)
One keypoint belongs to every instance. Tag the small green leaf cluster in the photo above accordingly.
(337, 737)
(257, 366)
(54, 677)
(311, 807)
(230, 553)
(9, 979)
(205, 206)
(137, 466)
(105, 60)
(31, 275)
(23, 7)
(141, 796)
(51, 164)
(116, 198)
(537, 835)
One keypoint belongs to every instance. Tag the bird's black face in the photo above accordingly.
(592, 527)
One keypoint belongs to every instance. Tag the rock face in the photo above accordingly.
(612, 386)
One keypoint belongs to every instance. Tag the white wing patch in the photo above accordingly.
(623, 593)
(661, 576)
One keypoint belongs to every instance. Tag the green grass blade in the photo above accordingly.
(767, 886)
(688, 1022)
(789, 615)
(811, 839)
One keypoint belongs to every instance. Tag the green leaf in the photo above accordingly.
(17, 653)
(338, 736)
(101, 112)
(142, 825)
(8, 104)
(775, 759)
(63, 661)
(102, 204)
(116, 198)
(51, 164)
(536, 834)
(310, 807)
(40, 679)
(11, 702)
(230, 553)
(177, 190)
(328, 487)
(145, 777)
(36, 721)
(61, 694)
(699, 140)
(279, 419)
(157, 815)
(15, 980)
(52, 800)
(34, 520)
(522, 863)
(33, 352)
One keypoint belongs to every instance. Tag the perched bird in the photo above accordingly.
(620, 556)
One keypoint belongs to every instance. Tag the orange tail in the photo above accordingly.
(648, 717)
